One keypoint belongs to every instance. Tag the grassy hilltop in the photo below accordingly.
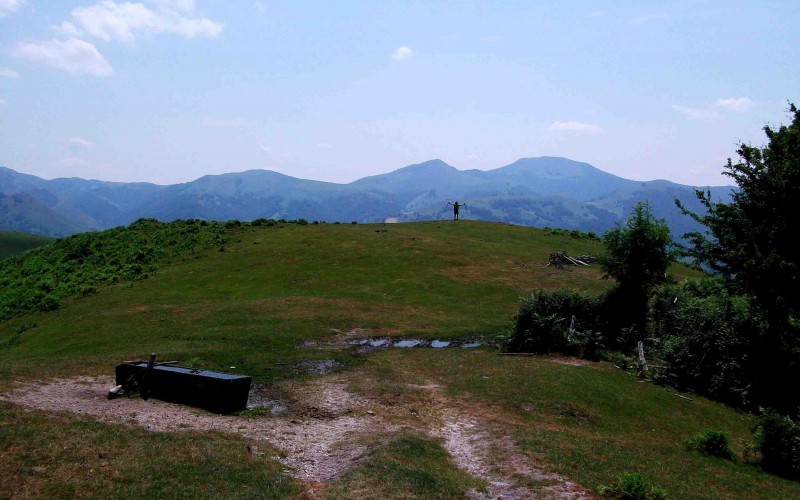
(274, 287)
(13, 243)
(249, 296)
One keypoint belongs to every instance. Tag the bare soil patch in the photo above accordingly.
(323, 429)
(314, 445)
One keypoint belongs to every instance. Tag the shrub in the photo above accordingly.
(778, 440)
(631, 486)
(588, 344)
(706, 337)
(77, 265)
(712, 442)
(263, 222)
(556, 321)
(44, 302)
(542, 333)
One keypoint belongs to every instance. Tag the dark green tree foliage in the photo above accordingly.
(544, 323)
(750, 242)
(778, 440)
(637, 255)
(706, 338)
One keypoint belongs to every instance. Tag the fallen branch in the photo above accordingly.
(561, 259)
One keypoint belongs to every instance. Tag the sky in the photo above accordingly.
(167, 91)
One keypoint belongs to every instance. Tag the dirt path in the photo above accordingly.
(484, 450)
(324, 431)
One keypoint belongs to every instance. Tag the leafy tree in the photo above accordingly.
(637, 255)
(706, 337)
(750, 242)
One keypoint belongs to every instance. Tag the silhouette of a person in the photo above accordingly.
(455, 208)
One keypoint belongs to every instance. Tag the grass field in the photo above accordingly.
(13, 243)
(253, 306)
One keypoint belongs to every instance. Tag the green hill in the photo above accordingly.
(13, 243)
(295, 306)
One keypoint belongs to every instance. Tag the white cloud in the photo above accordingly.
(736, 104)
(80, 143)
(260, 7)
(72, 55)
(696, 114)
(266, 149)
(323, 145)
(596, 13)
(401, 53)
(67, 29)
(493, 38)
(473, 158)
(184, 5)
(710, 113)
(109, 20)
(574, 127)
(2, 102)
(8, 73)
(9, 6)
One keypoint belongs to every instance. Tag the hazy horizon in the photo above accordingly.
(167, 91)
(729, 184)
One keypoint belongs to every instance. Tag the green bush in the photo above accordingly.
(706, 336)
(778, 441)
(631, 486)
(572, 233)
(557, 321)
(712, 442)
(263, 222)
(78, 264)
(588, 344)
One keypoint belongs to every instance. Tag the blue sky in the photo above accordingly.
(167, 91)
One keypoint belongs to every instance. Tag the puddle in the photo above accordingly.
(408, 343)
(370, 344)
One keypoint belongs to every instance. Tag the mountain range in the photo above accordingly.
(540, 192)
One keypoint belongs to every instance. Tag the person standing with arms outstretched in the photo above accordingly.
(456, 204)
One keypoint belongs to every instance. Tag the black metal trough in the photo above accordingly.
(214, 391)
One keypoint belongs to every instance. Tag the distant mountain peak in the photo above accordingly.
(541, 191)
(430, 164)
